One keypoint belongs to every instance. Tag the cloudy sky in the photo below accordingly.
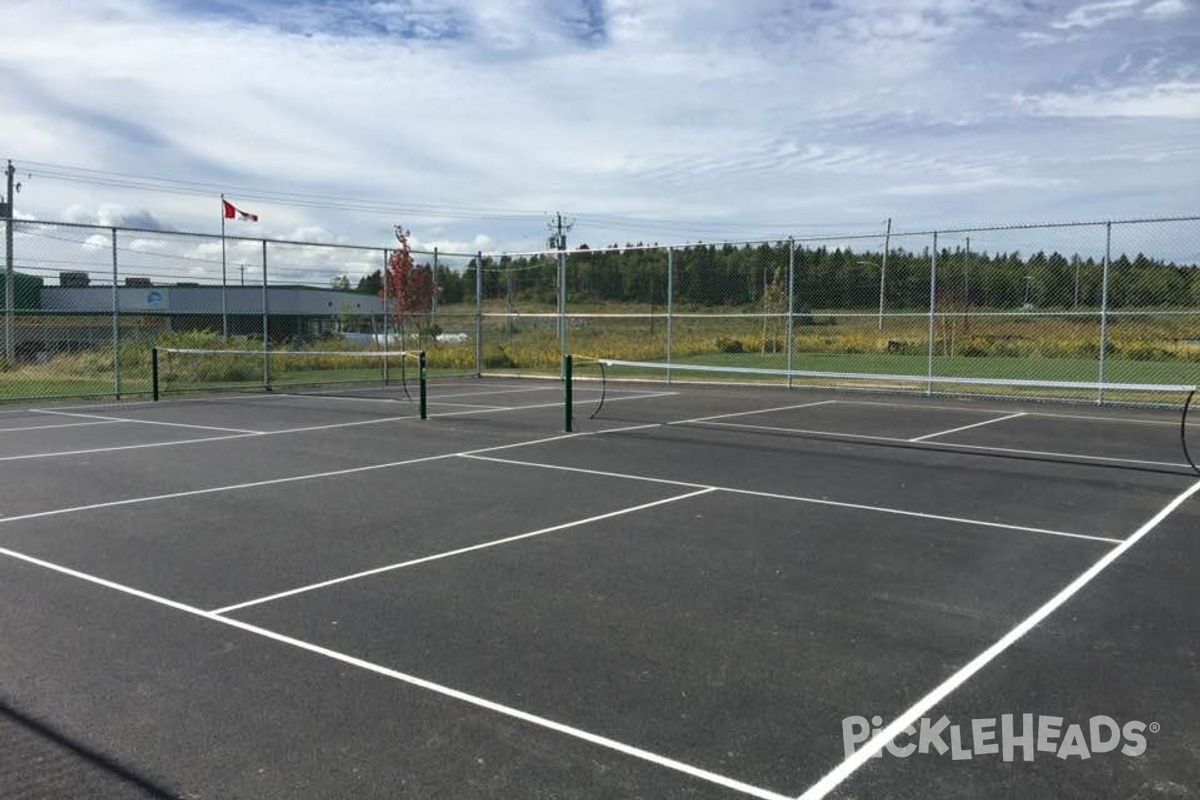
(469, 121)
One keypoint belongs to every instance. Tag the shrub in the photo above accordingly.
(727, 345)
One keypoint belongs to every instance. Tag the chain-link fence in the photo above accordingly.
(1115, 302)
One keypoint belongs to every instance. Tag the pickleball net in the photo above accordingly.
(610, 373)
(396, 374)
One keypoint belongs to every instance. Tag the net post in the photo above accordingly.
(154, 373)
(422, 380)
(568, 401)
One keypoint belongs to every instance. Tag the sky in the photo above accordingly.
(472, 122)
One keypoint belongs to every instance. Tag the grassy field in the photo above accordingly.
(1142, 348)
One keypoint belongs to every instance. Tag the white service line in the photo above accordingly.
(970, 448)
(919, 709)
(412, 680)
(1048, 414)
(477, 406)
(294, 478)
(342, 398)
(755, 411)
(966, 427)
(119, 448)
(800, 499)
(52, 427)
(459, 551)
(143, 421)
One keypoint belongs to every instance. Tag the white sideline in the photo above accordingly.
(844, 770)
(52, 427)
(797, 498)
(412, 680)
(967, 427)
(457, 552)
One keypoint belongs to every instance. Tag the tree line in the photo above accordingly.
(754, 276)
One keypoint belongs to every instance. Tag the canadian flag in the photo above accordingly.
(236, 213)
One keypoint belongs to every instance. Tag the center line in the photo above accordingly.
(967, 427)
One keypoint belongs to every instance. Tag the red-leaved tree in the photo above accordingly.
(409, 288)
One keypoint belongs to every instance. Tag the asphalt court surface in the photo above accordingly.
(349, 601)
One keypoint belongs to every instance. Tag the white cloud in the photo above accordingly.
(1165, 8)
(468, 120)
(1093, 15)
(1174, 100)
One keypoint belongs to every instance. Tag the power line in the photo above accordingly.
(191, 188)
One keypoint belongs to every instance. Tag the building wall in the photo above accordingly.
(240, 300)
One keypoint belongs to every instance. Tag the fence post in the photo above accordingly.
(670, 308)
(887, 242)
(791, 320)
(387, 342)
(116, 320)
(10, 333)
(479, 314)
(932, 312)
(266, 331)
(562, 301)
(1104, 311)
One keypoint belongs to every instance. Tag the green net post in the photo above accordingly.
(422, 380)
(568, 404)
(154, 372)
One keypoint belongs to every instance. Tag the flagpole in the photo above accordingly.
(224, 291)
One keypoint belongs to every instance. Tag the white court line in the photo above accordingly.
(755, 411)
(460, 551)
(919, 709)
(283, 431)
(468, 405)
(294, 478)
(972, 448)
(966, 427)
(1049, 414)
(144, 421)
(412, 680)
(119, 448)
(800, 499)
(342, 398)
(52, 427)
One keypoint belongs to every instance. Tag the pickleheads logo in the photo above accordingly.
(1029, 735)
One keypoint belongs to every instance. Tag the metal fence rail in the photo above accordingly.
(1097, 303)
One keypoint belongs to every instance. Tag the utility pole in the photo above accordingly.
(9, 292)
(558, 241)
(558, 235)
